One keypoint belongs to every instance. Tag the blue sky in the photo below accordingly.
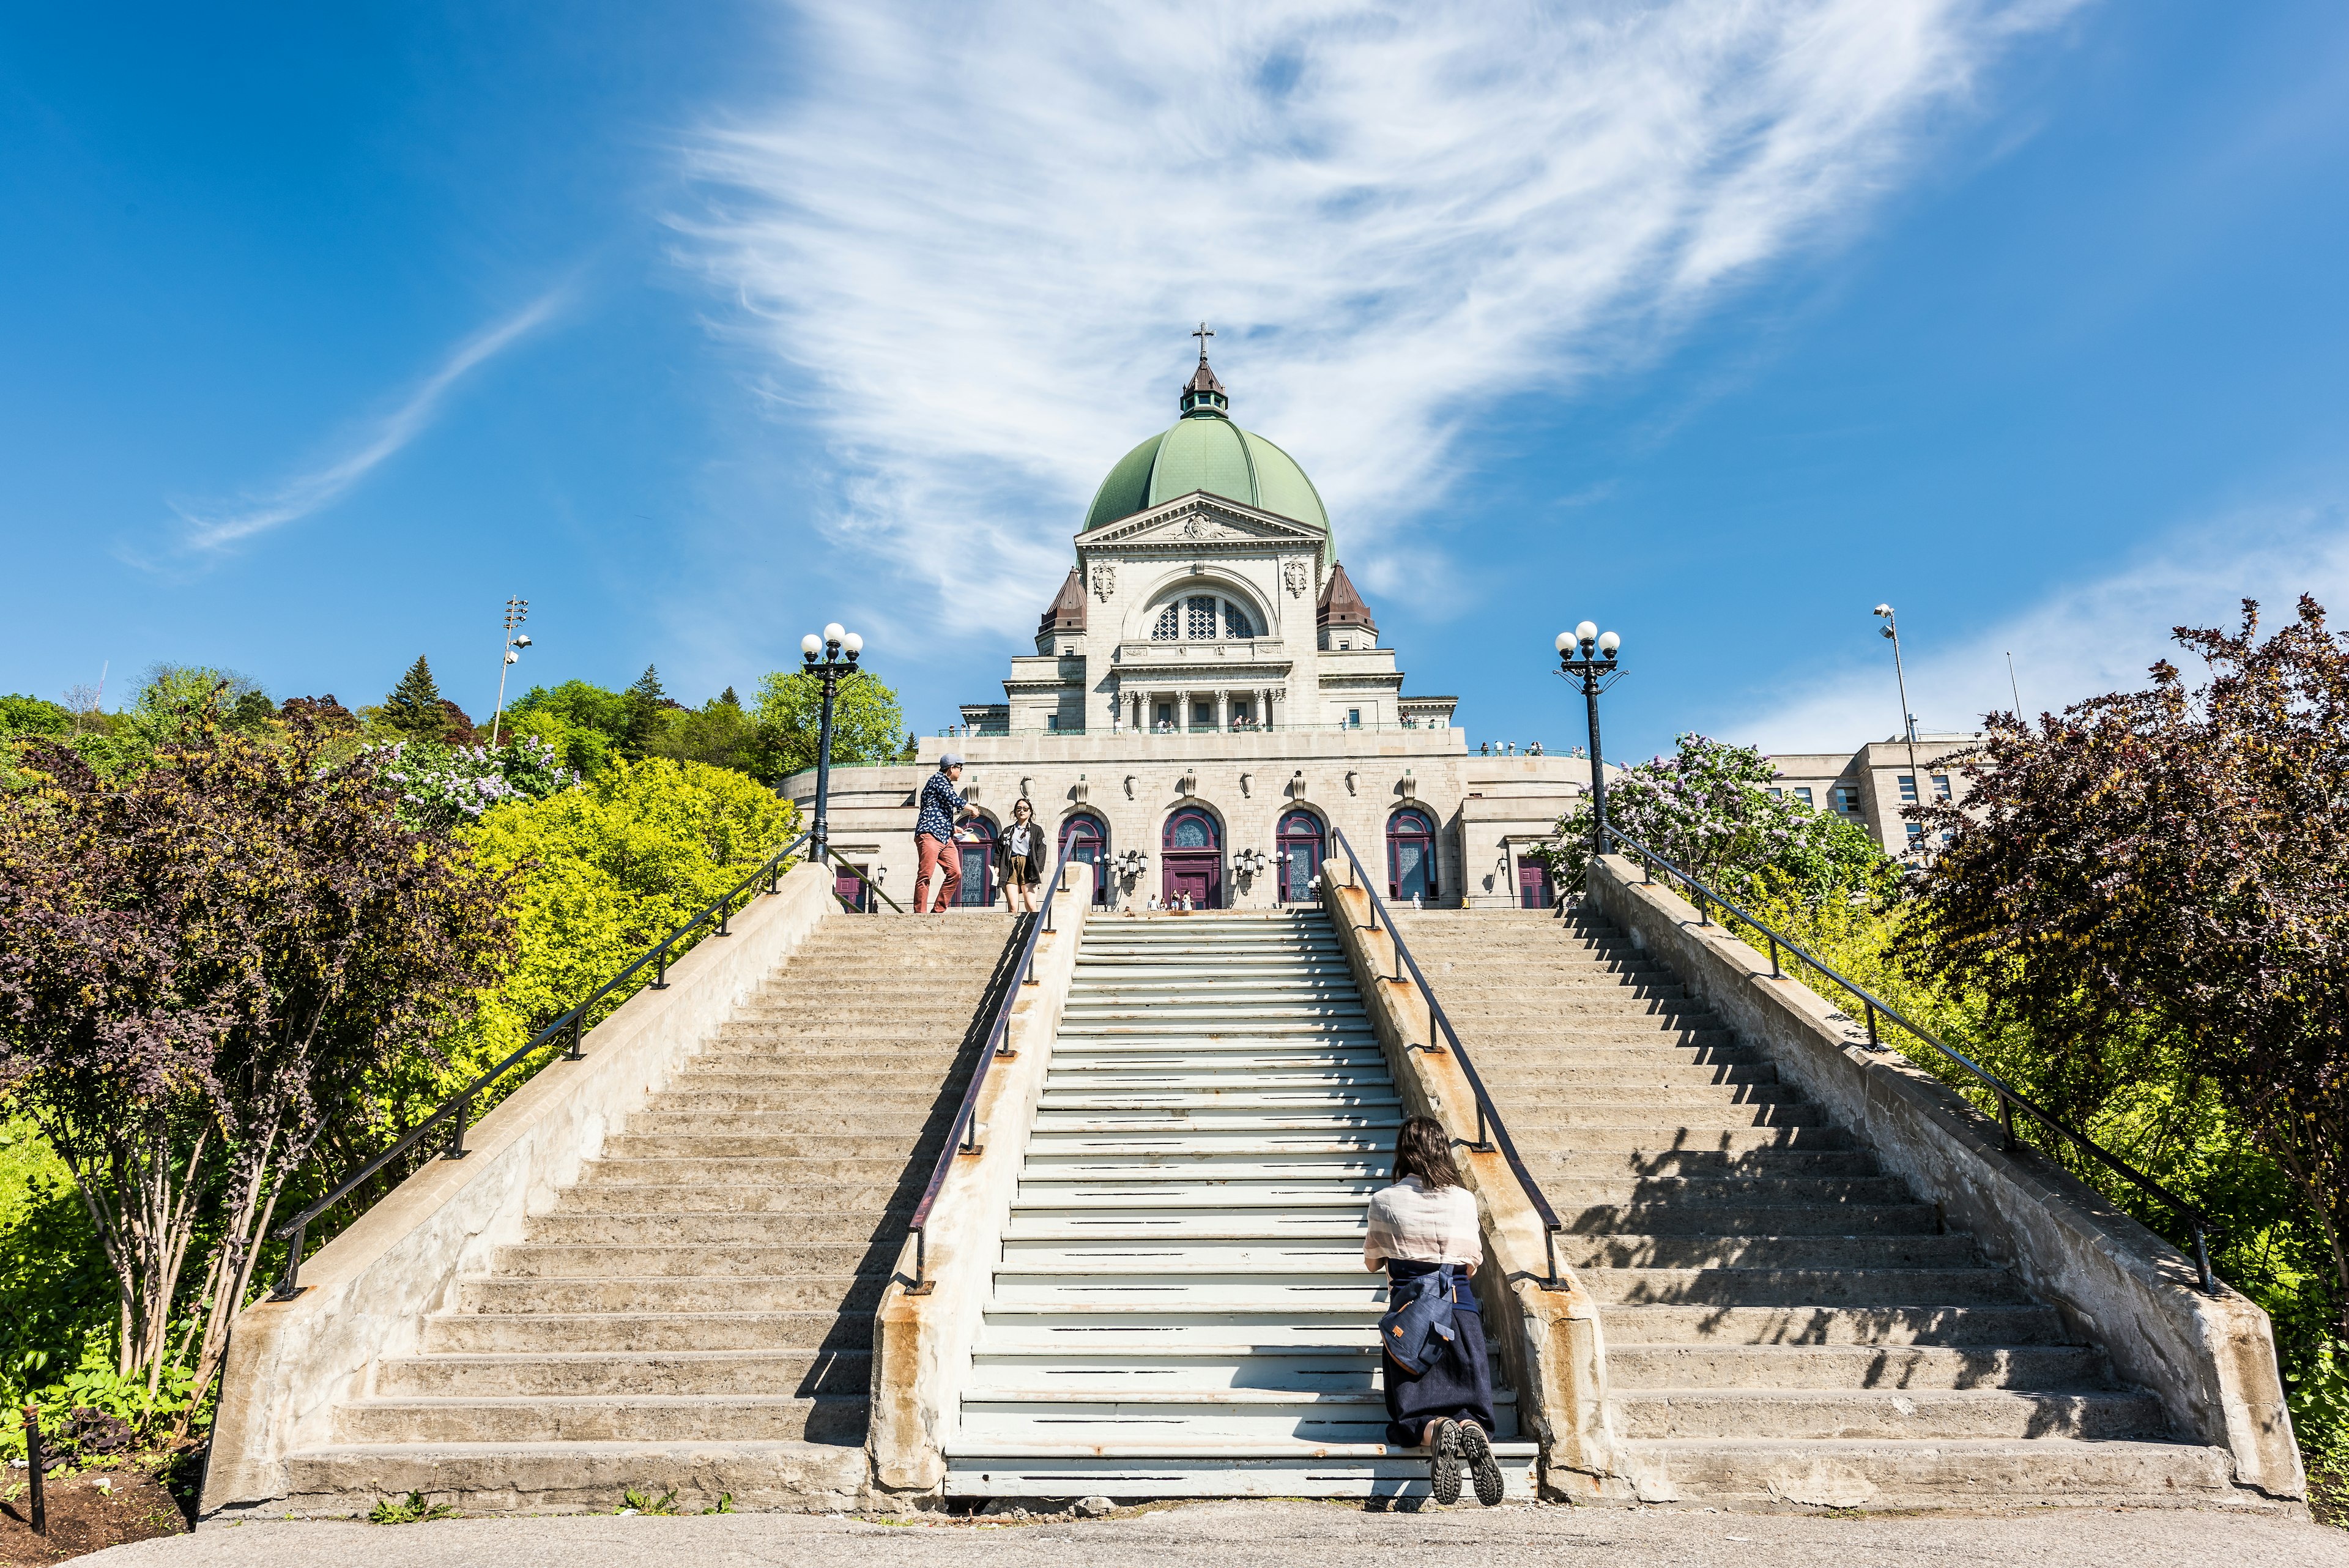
(324, 329)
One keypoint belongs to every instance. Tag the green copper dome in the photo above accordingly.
(1205, 451)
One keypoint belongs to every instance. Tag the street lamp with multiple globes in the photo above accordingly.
(1596, 669)
(831, 645)
(517, 611)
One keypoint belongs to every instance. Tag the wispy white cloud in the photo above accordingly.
(971, 243)
(209, 529)
(2099, 636)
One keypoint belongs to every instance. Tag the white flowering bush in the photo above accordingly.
(442, 786)
(1709, 810)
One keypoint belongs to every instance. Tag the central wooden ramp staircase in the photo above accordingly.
(1180, 1307)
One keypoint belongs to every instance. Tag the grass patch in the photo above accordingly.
(409, 1510)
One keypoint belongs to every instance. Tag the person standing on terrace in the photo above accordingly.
(934, 831)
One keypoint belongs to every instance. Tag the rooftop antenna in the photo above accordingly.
(2013, 687)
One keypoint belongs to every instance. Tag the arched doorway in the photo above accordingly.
(1410, 855)
(1301, 842)
(1193, 859)
(1085, 837)
(978, 865)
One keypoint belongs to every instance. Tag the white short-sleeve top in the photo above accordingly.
(1409, 1222)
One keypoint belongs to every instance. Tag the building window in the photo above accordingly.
(1916, 834)
(1203, 618)
(1202, 715)
(1170, 625)
(1777, 794)
(1803, 793)
(1243, 713)
(1236, 622)
(1941, 787)
(1199, 617)
(1410, 855)
(1163, 715)
(1353, 717)
(1846, 798)
(1907, 789)
(1051, 721)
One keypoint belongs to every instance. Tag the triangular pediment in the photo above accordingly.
(1189, 521)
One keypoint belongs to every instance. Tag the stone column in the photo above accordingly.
(1223, 709)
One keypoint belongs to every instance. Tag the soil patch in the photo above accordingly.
(136, 1504)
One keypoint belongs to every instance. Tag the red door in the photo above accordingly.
(1533, 885)
(1193, 856)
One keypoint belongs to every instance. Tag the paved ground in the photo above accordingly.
(1278, 1535)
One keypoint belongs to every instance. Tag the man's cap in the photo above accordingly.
(951, 760)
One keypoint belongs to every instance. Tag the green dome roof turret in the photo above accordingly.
(1203, 450)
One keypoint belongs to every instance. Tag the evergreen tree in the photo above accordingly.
(648, 704)
(414, 706)
(648, 688)
(729, 698)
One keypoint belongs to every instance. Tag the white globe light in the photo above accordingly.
(854, 643)
(1884, 609)
(1586, 631)
(811, 645)
(1609, 642)
(833, 633)
(1565, 641)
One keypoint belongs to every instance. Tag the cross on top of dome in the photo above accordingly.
(1204, 394)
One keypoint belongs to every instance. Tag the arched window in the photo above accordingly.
(1193, 829)
(1410, 855)
(978, 865)
(1203, 618)
(1085, 837)
(1300, 842)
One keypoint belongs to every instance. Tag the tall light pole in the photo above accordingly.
(517, 612)
(1595, 671)
(831, 645)
(1891, 628)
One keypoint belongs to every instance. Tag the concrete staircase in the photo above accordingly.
(1783, 1323)
(697, 1311)
(1180, 1307)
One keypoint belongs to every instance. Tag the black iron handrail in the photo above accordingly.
(858, 872)
(1489, 1125)
(458, 1107)
(2009, 1100)
(962, 1137)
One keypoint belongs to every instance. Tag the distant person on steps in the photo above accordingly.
(933, 833)
(1437, 1379)
(1019, 858)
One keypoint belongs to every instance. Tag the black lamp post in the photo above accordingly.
(831, 645)
(1596, 671)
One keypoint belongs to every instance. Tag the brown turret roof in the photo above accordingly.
(1340, 605)
(1067, 610)
(1203, 379)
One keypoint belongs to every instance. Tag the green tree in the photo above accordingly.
(587, 724)
(865, 725)
(2174, 864)
(200, 965)
(1709, 810)
(718, 734)
(649, 708)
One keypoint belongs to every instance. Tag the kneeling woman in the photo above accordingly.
(1423, 1232)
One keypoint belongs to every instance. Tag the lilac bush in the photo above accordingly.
(442, 786)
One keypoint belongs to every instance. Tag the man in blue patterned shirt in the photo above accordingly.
(942, 807)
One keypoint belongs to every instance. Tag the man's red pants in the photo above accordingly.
(935, 852)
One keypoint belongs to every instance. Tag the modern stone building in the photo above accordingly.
(1209, 700)
(1868, 787)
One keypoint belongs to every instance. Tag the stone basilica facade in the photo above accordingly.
(1208, 701)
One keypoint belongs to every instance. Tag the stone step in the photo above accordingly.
(854, 1158)
(636, 1418)
(1912, 1252)
(638, 1228)
(1806, 1287)
(850, 1174)
(801, 1374)
(555, 1334)
(733, 1293)
(1663, 1216)
(1701, 1192)
(635, 1188)
(1878, 1474)
(571, 1477)
(1881, 1367)
(1936, 1414)
(1674, 1124)
(584, 1260)
(1626, 1323)
(1595, 1160)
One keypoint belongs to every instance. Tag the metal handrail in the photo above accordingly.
(2009, 1100)
(459, 1105)
(962, 1135)
(858, 872)
(1489, 1125)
